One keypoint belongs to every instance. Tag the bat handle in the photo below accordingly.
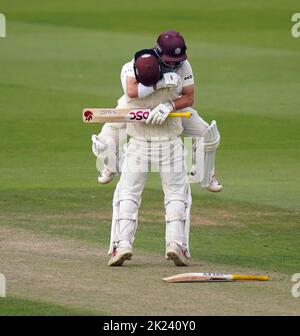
(250, 277)
(180, 114)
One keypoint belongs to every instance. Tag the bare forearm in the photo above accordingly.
(183, 102)
(186, 99)
(132, 89)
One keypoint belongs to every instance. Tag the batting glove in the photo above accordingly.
(97, 146)
(159, 114)
(169, 80)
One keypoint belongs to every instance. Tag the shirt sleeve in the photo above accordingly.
(127, 71)
(186, 74)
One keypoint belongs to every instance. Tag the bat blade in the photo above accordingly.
(212, 277)
(198, 277)
(103, 115)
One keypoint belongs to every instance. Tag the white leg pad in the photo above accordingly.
(175, 221)
(178, 221)
(205, 152)
(127, 221)
(211, 143)
(110, 141)
(124, 220)
(187, 223)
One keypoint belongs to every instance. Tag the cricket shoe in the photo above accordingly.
(120, 254)
(106, 176)
(176, 253)
(214, 185)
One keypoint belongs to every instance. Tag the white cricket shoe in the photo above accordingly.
(106, 176)
(120, 254)
(176, 253)
(214, 185)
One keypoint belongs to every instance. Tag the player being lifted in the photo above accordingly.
(171, 50)
(157, 142)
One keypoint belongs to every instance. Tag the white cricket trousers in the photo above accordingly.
(168, 158)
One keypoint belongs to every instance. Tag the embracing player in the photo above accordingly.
(176, 72)
(156, 142)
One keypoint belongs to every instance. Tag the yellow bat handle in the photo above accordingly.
(250, 277)
(180, 114)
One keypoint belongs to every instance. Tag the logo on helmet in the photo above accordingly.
(177, 51)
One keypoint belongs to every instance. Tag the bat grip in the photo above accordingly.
(180, 114)
(250, 277)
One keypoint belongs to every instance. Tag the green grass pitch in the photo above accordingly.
(60, 56)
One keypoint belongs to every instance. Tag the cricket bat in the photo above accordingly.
(212, 277)
(111, 115)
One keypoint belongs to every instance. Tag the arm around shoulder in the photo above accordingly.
(186, 99)
(131, 87)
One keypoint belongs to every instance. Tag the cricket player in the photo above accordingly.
(171, 51)
(155, 142)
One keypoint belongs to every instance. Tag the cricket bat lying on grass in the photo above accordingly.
(103, 115)
(205, 277)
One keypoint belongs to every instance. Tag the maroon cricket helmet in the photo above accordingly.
(147, 68)
(170, 46)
